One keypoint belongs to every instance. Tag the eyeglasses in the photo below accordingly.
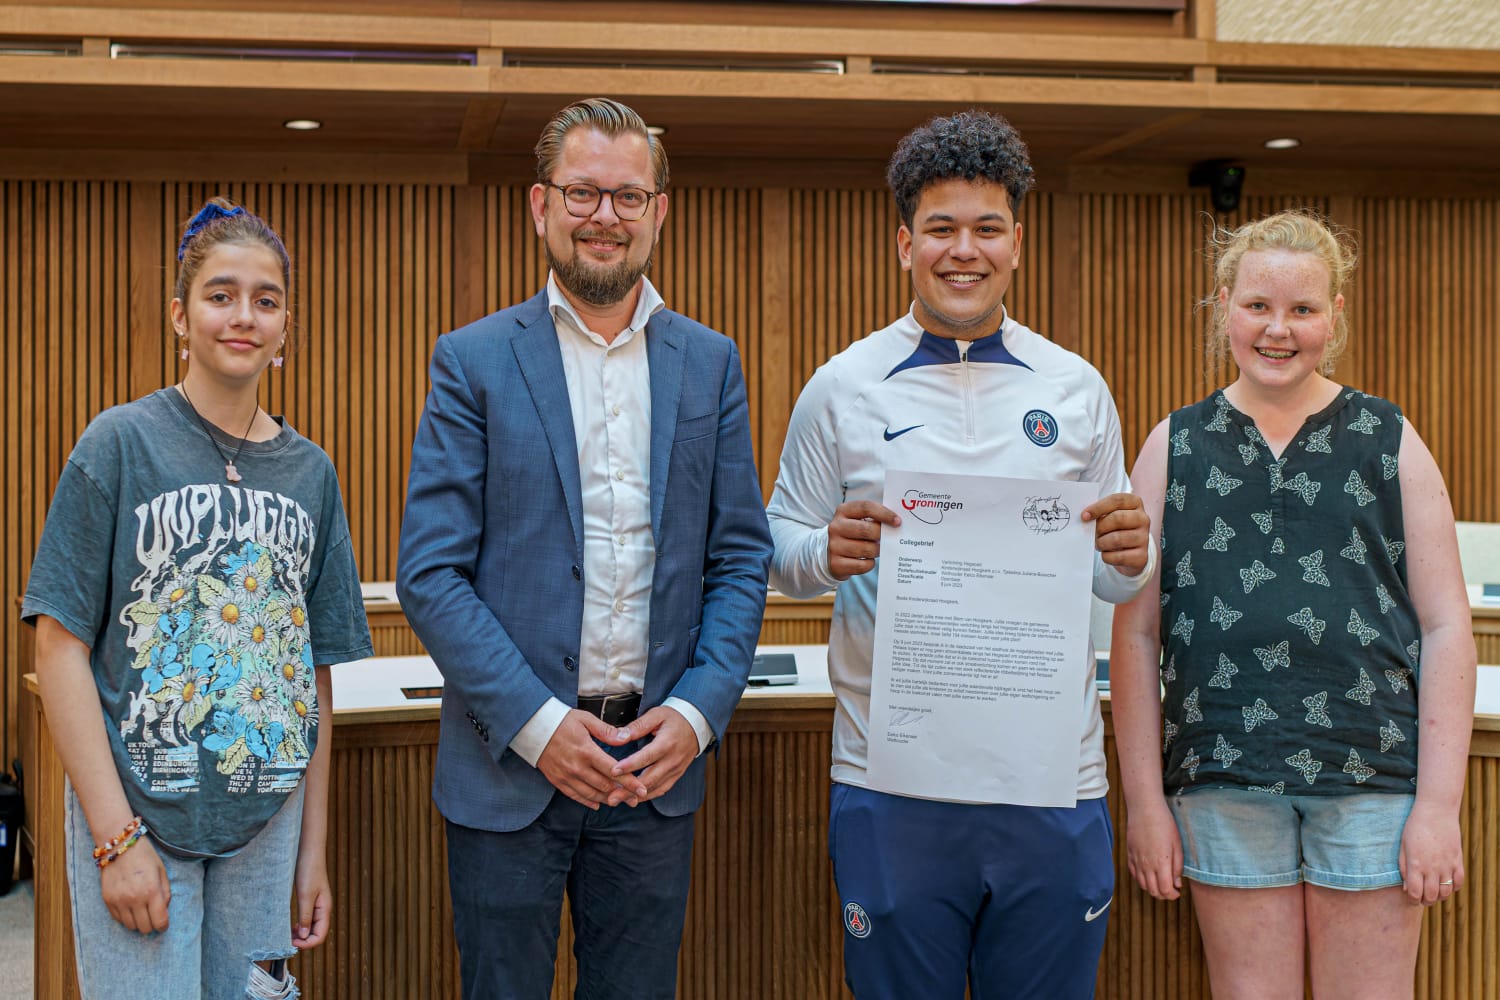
(582, 200)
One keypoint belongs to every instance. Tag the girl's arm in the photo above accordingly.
(1153, 847)
(314, 894)
(1432, 861)
(134, 887)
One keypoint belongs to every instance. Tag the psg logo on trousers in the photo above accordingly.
(856, 920)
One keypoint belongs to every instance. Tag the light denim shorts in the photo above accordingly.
(1256, 840)
(225, 915)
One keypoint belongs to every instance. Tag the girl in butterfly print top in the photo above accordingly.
(194, 580)
(1311, 633)
(1277, 608)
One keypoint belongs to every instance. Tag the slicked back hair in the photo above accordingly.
(604, 115)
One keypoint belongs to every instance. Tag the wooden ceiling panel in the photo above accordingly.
(1329, 141)
(812, 129)
(173, 118)
(156, 118)
(725, 129)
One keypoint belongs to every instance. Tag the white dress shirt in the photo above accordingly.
(609, 387)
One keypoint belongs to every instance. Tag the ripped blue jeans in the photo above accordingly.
(226, 914)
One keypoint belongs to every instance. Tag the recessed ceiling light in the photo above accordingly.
(1286, 142)
(302, 124)
(657, 129)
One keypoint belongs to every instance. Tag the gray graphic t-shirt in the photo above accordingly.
(205, 604)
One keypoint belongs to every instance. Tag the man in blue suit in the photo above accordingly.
(584, 554)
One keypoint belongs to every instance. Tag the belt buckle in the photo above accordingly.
(608, 704)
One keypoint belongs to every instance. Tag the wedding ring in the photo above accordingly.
(1447, 882)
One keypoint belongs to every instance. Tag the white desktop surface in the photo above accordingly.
(1481, 606)
(812, 670)
(376, 682)
(1487, 691)
(379, 590)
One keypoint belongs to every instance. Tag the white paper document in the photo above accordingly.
(981, 639)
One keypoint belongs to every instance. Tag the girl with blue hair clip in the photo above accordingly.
(193, 584)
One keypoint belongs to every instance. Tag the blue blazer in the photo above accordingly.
(490, 569)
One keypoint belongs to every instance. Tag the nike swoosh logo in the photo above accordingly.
(1092, 914)
(893, 435)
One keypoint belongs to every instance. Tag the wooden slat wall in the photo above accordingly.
(792, 275)
(1426, 307)
(1135, 301)
(64, 301)
(845, 275)
(1144, 270)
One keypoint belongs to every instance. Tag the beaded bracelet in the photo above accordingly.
(130, 830)
(107, 846)
(113, 850)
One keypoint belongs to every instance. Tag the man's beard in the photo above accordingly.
(598, 286)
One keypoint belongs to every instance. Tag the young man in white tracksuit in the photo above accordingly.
(1010, 900)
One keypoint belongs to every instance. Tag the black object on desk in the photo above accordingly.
(773, 668)
(417, 693)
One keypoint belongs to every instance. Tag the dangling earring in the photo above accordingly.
(183, 354)
(278, 359)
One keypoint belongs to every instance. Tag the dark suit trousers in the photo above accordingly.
(626, 874)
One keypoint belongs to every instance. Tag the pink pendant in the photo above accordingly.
(231, 473)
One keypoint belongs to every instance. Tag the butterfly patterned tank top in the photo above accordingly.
(1290, 646)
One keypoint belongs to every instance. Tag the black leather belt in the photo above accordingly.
(615, 709)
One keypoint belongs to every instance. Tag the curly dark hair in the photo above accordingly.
(969, 145)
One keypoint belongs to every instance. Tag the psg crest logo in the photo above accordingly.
(856, 920)
(1040, 428)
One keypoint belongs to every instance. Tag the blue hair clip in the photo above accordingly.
(207, 215)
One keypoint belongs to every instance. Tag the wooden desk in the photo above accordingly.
(762, 917)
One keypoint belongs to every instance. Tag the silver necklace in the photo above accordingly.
(230, 472)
